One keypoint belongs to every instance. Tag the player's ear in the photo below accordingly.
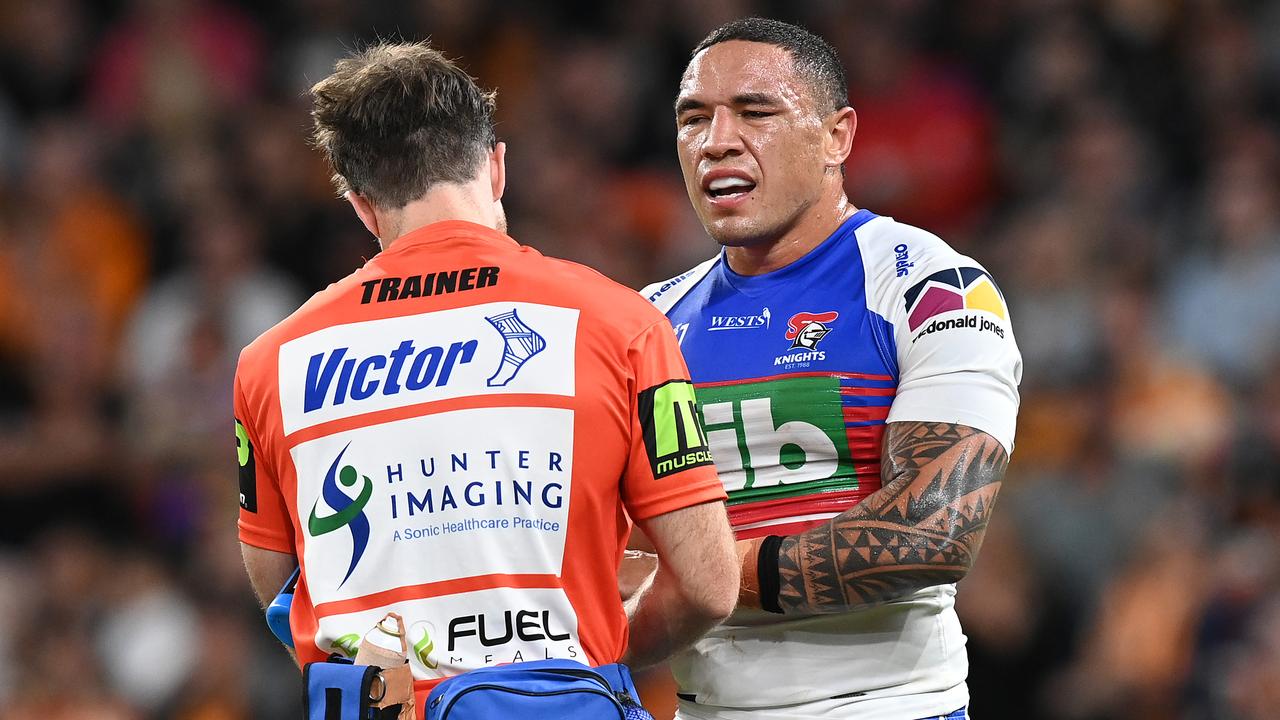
(364, 211)
(498, 170)
(839, 128)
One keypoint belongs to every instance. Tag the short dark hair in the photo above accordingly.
(396, 118)
(814, 58)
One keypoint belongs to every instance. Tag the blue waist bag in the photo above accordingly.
(560, 689)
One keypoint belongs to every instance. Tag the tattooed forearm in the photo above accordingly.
(922, 528)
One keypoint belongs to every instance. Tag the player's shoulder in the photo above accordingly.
(895, 249)
(664, 294)
(898, 259)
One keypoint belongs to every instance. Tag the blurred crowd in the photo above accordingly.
(1114, 163)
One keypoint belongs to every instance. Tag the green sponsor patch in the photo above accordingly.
(673, 435)
(248, 470)
(778, 438)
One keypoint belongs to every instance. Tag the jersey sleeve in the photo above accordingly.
(670, 465)
(264, 520)
(947, 328)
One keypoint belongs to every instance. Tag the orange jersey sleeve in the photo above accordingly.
(670, 465)
(264, 518)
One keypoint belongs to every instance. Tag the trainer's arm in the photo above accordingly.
(922, 528)
(268, 570)
(694, 588)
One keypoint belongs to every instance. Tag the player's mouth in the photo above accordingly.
(727, 189)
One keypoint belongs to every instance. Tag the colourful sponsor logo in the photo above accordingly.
(966, 288)
(672, 434)
(806, 329)
(348, 512)
(795, 436)
(248, 470)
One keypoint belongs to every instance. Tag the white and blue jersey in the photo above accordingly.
(797, 372)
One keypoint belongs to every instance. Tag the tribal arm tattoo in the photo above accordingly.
(922, 528)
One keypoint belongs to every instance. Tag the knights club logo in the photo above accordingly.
(966, 288)
(805, 330)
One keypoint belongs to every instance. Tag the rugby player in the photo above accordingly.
(459, 430)
(857, 379)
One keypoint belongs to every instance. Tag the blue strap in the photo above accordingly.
(337, 691)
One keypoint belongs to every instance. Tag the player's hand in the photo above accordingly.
(749, 588)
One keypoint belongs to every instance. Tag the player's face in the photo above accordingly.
(750, 140)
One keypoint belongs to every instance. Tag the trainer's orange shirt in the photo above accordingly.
(458, 432)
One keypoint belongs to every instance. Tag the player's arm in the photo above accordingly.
(939, 480)
(693, 588)
(922, 528)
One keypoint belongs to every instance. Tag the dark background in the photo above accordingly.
(1114, 164)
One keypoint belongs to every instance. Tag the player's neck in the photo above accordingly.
(807, 233)
(447, 201)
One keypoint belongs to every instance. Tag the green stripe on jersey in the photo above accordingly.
(778, 438)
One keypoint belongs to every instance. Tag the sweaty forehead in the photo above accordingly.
(737, 67)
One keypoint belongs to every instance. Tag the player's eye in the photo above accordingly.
(689, 120)
(756, 114)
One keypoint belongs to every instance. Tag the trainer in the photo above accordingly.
(462, 430)
(858, 382)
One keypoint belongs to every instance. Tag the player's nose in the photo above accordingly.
(724, 136)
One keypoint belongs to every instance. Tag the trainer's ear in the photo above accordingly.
(498, 170)
(364, 211)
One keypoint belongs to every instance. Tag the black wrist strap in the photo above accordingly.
(767, 573)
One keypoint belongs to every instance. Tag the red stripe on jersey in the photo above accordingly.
(865, 443)
(444, 587)
(878, 392)
(792, 376)
(376, 417)
(765, 510)
(865, 413)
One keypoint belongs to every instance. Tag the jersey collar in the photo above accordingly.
(747, 283)
(447, 231)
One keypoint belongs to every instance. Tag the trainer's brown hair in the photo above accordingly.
(397, 118)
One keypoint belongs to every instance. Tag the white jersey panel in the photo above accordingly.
(957, 359)
(901, 660)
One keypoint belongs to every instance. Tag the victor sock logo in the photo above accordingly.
(520, 343)
(348, 512)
